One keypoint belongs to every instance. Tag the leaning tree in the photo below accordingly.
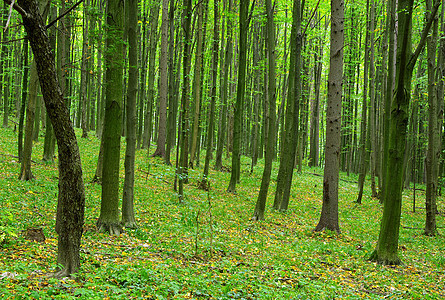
(71, 198)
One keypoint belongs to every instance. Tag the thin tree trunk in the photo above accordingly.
(262, 195)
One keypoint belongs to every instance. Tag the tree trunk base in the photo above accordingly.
(111, 227)
(130, 224)
(204, 184)
(389, 260)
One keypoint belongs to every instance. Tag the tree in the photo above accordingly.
(109, 212)
(163, 86)
(84, 72)
(71, 197)
(262, 195)
(23, 98)
(433, 152)
(128, 219)
(4, 52)
(210, 129)
(287, 160)
(329, 211)
(241, 86)
(222, 125)
(386, 251)
(197, 83)
(183, 159)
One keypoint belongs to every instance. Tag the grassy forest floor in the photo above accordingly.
(190, 250)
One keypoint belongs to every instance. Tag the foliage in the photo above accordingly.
(226, 256)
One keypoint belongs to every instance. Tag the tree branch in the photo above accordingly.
(17, 7)
(415, 55)
(64, 14)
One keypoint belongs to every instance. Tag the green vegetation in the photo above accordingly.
(190, 250)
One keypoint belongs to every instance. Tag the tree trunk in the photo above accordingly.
(387, 246)
(262, 195)
(84, 73)
(215, 51)
(109, 211)
(433, 154)
(25, 169)
(183, 159)
(163, 90)
(287, 159)
(24, 96)
(329, 211)
(237, 124)
(153, 19)
(71, 198)
(222, 128)
(197, 84)
(128, 219)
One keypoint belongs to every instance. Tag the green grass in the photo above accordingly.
(227, 256)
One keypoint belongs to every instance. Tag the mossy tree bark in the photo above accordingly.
(109, 211)
(386, 251)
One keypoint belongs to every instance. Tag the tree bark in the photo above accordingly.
(265, 180)
(71, 198)
(329, 211)
(109, 211)
(128, 219)
(241, 86)
(387, 246)
(163, 84)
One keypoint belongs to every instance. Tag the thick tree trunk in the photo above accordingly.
(71, 198)
(329, 211)
(109, 211)
(387, 246)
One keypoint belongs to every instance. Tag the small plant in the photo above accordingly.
(7, 230)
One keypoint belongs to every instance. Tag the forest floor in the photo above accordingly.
(207, 247)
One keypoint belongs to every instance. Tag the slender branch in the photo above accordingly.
(415, 55)
(310, 19)
(64, 14)
(17, 7)
(9, 15)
